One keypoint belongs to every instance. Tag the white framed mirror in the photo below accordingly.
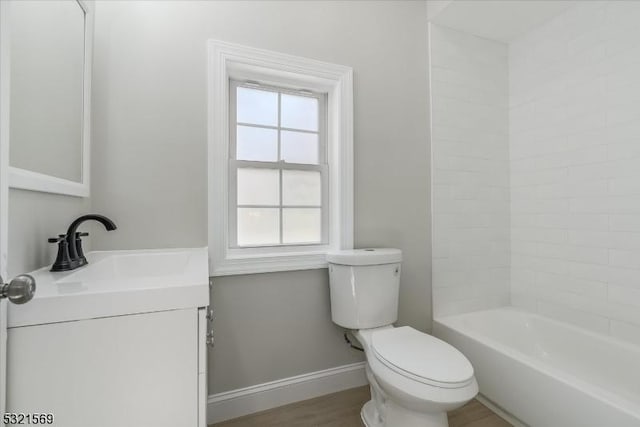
(49, 90)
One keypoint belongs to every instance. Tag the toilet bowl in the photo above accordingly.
(414, 377)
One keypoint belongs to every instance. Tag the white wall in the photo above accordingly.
(149, 158)
(575, 167)
(33, 218)
(469, 88)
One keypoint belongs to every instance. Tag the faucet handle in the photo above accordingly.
(63, 261)
(57, 239)
(81, 234)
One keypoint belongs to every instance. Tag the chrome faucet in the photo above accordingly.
(70, 255)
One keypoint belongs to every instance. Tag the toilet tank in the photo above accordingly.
(364, 285)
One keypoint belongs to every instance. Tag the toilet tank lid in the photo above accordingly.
(365, 256)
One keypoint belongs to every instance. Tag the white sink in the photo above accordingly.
(118, 283)
(128, 266)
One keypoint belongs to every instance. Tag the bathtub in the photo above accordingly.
(547, 373)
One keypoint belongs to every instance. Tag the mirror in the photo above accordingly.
(49, 57)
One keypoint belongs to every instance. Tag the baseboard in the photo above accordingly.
(500, 412)
(244, 401)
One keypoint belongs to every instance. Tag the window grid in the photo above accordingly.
(280, 165)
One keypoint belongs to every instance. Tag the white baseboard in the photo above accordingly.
(500, 412)
(244, 401)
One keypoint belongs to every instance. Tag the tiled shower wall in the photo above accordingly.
(470, 172)
(574, 87)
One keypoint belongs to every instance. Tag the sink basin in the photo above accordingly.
(118, 283)
(131, 266)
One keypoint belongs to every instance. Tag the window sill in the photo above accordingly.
(269, 263)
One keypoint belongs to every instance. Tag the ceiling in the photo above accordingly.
(502, 20)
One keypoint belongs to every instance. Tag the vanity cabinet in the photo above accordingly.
(137, 370)
(99, 349)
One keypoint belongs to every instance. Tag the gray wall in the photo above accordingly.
(149, 158)
(34, 217)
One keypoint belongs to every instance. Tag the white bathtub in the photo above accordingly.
(547, 373)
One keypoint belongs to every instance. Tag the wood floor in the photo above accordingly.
(343, 410)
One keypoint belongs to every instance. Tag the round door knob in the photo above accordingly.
(19, 290)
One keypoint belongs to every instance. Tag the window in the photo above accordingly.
(278, 167)
(280, 160)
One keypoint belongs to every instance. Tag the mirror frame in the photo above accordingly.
(29, 180)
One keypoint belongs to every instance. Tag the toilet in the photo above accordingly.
(414, 377)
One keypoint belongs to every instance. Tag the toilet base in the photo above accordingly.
(398, 416)
(369, 415)
(381, 411)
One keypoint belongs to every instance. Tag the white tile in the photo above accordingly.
(624, 240)
(589, 205)
(624, 204)
(623, 276)
(586, 138)
(625, 186)
(598, 239)
(549, 176)
(449, 278)
(587, 172)
(588, 271)
(588, 254)
(567, 204)
(593, 222)
(590, 288)
(626, 331)
(553, 220)
(577, 317)
(597, 188)
(471, 172)
(624, 259)
(624, 222)
(524, 301)
(624, 295)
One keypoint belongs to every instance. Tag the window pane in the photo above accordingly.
(301, 225)
(257, 144)
(258, 226)
(258, 107)
(301, 188)
(258, 186)
(299, 147)
(299, 112)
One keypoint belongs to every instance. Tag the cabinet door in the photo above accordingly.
(3, 352)
(202, 367)
(138, 370)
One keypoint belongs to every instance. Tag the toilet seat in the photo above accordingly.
(421, 357)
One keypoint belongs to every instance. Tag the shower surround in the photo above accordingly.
(536, 169)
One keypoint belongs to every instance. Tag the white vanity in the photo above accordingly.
(119, 342)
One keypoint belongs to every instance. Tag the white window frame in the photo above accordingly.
(228, 62)
(235, 164)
